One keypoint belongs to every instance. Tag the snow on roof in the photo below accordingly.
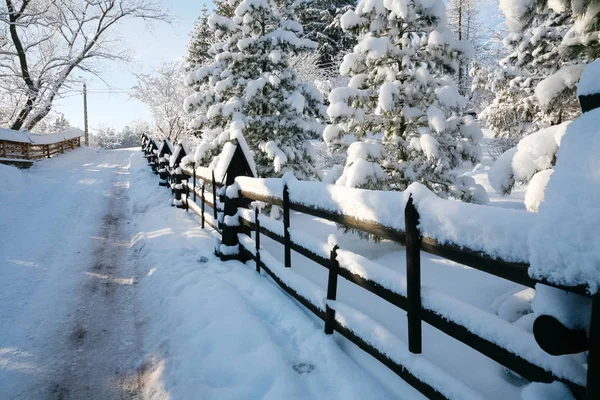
(565, 242)
(590, 80)
(39, 138)
(72, 133)
(14, 136)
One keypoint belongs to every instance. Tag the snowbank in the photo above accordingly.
(220, 330)
(11, 178)
(565, 241)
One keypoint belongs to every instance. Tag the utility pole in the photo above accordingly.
(85, 117)
(460, 28)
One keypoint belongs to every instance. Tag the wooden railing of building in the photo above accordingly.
(32, 151)
(198, 190)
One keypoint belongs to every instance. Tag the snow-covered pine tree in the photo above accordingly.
(203, 80)
(549, 42)
(201, 40)
(320, 20)
(401, 105)
(250, 89)
(225, 8)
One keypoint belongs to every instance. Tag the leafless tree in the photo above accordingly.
(163, 91)
(45, 41)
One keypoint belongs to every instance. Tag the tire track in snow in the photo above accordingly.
(103, 345)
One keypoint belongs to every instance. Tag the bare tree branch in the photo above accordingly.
(49, 39)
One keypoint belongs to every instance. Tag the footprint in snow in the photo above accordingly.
(303, 368)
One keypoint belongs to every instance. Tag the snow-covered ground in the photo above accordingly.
(480, 174)
(108, 292)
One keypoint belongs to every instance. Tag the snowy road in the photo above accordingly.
(67, 299)
(107, 292)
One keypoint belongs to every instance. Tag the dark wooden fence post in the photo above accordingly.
(203, 202)
(214, 193)
(413, 277)
(286, 227)
(593, 371)
(230, 229)
(334, 267)
(194, 180)
(187, 195)
(257, 238)
(176, 187)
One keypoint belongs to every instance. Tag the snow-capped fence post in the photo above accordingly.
(231, 224)
(175, 166)
(413, 276)
(177, 187)
(593, 372)
(286, 227)
(334, 267)
(257, 237)
(232, 201)
(163, 163)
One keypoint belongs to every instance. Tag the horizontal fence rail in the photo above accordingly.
(236, 213)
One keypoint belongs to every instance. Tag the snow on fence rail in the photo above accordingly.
(428, 224)
(18, 145)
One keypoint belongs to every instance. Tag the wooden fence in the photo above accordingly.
(16, 145)
(196, 189)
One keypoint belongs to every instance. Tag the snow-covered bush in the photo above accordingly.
(249, 90)
(530, 162)
(401, 104)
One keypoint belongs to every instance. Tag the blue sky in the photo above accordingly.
(149, 46)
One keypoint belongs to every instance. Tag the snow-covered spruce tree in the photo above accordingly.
(549, 44)
(401, 105)
(201, 40)
(320, 20)
(250, 89)
(203, 80)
